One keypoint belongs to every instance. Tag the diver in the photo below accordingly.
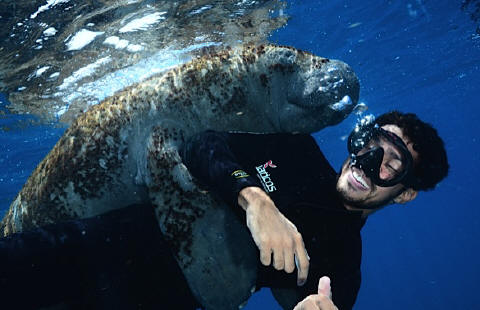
(300, 211)
(301, 214)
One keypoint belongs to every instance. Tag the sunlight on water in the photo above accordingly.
(107, 85)
(57, 60)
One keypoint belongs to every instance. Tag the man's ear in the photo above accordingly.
(407, 195)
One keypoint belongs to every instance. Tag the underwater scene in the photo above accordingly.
(189, 66)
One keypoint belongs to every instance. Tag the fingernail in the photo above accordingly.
(325, 282)
(301, 282)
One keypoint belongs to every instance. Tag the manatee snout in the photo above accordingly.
(341, 82)
(319, 97)
(325, 86)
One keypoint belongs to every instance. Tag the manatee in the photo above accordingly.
(124, 151)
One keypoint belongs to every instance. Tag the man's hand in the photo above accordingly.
(320, 301)
(274, 234)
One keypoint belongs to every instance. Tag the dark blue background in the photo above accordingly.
(422, 255)
(417, 56)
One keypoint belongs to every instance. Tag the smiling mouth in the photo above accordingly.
(359, 179)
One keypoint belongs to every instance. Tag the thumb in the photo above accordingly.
(324, 287)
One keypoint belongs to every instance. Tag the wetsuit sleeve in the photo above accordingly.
(210, 158)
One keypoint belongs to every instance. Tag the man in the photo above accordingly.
(300, 211)
(297, 203)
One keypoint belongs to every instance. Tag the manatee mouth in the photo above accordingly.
(336, 86)
(319, 98)
(344, 104)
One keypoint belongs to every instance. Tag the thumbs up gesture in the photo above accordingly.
(320, 301)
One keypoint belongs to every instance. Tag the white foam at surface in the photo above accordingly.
(82, 39)
(134, 48)
(40, 71)
(143, 23)
(116, 42)
(45, 7)
(21, 88)
(245, 2)
(54, 75)
(83, 72)
(51, 31)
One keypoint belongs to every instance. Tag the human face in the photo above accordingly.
(359, 192)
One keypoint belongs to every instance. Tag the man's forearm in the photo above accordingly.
(252, 195)
(274, 234)
(209, 158)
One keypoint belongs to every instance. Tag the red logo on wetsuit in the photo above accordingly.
(264, 176)
(269, 164)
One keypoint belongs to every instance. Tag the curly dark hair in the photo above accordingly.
(432, 164)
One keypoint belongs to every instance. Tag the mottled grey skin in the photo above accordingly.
(125, 151)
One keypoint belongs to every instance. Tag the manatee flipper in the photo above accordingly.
(210, 243)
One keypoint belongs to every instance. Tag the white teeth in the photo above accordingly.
(360, 179)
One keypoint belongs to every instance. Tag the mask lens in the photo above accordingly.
(393, 164)
(381, 154)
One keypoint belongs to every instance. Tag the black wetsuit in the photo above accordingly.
(301, 182)
(119, 260)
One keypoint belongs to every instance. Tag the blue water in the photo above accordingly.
(417, 56)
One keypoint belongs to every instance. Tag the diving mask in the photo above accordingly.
(371, 147)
